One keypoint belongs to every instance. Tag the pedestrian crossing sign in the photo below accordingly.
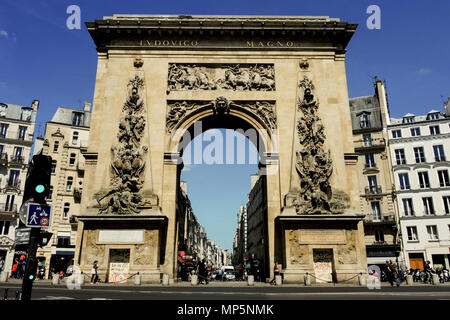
(38, 216)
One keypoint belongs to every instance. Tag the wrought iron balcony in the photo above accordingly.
(13, 183)
(379, 219)
(3, 160)
(373, 190)
(16, 160)
(372, 143)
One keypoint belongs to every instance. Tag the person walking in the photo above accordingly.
(14, 270)
(202, 272)
(394, 273)
(276, 272)
(94, 277)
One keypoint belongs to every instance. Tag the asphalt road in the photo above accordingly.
(211, 292)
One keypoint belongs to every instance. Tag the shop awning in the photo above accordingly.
(65, 253)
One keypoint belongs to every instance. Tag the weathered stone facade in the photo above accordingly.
(245, 72)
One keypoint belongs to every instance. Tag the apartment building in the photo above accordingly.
(65, 140)
(420, 148)
(370, 118)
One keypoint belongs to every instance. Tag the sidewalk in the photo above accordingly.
(217, 284)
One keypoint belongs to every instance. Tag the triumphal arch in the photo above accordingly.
(158, 76)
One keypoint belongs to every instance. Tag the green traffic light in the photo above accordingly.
(31, 277)
(39, 188)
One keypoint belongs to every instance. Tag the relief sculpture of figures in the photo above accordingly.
(127, 165)
(313, 163)
(227, 77)
(178, 110)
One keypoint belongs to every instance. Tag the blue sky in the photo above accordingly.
(41, 59)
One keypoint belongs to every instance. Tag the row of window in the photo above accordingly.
(428, 207)
(75, 136)
(419, 154)
(432, 233)
(434, 130)
(4, 130)
(424, 181)
(18, 151)
(24, 116)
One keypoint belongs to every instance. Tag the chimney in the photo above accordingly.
(35, 105)
(380, 91)
(87, 106)
(447, 107)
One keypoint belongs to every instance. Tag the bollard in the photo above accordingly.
(251, 280)
(165, 280)
(81, 278)
(307, 279)
(55, 279)
(436, 279)
(409, 279)
(194, 280)
(137, 279)
(278, 280)
(5, 296)
(362, 279)
(4, 276)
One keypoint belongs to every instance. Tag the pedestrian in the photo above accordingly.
(23, 266)
(14, 270)
(394, 274)
(276, 272)
(94, 277)
(202, 272)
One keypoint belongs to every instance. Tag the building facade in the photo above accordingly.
(257, 221)
(370, 118)
(420, 146)
(17, 125)
(65, 140)
(240, 238)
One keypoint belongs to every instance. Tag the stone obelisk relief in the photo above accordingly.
(127, 163)
(313, 164)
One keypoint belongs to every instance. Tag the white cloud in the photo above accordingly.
(424, 71)
(3, 33)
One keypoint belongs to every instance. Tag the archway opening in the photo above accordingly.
(221, 200)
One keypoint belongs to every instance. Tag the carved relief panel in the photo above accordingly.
(177, 111)
(238, 77)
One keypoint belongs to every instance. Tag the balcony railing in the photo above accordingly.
(373, 143)
(17, 160)
(380, 218)
(3, 159)
(373, 190)
(13, 183)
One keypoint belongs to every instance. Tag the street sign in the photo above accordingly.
(23, 236)
(38, 216)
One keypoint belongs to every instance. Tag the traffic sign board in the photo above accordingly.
(38, 216)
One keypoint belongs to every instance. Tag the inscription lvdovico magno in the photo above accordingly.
(196, 43)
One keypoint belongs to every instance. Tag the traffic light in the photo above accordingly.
(37, 185)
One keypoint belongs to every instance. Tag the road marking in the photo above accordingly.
(56, 298)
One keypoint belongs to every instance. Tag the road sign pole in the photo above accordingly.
(31, 266)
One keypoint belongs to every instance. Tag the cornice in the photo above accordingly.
(419, 138)
(230, 32)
